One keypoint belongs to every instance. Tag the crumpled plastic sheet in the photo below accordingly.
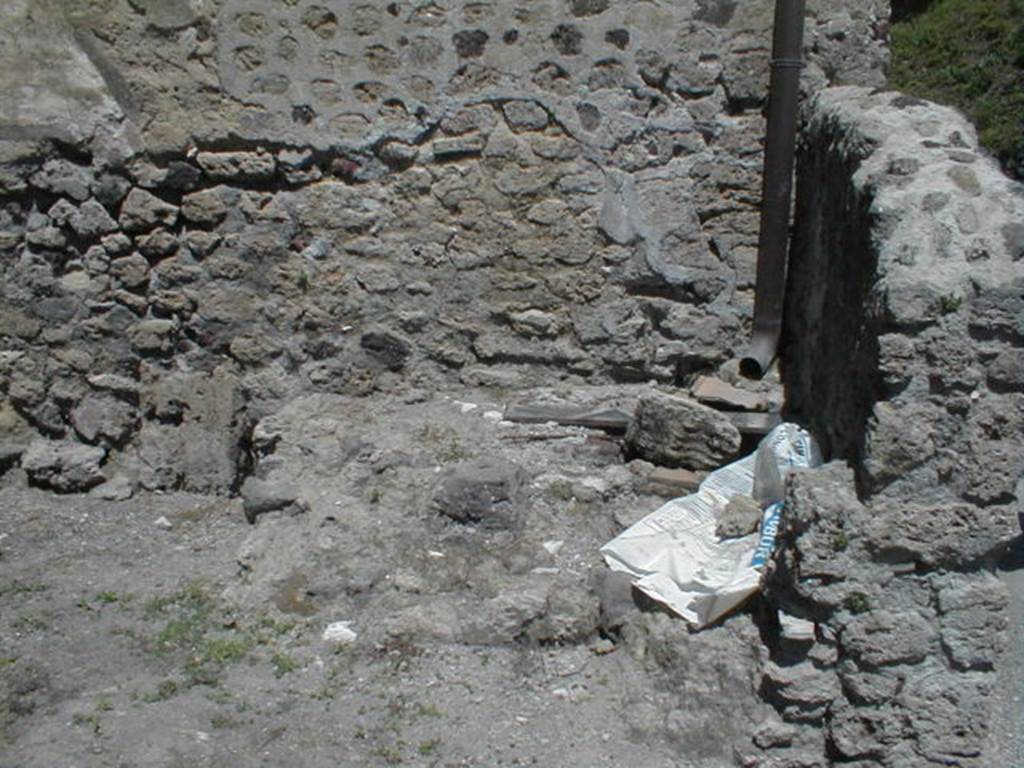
(674, 554)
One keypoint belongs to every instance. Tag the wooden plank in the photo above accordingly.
(617, 420)
(608, 419)
(753, 423)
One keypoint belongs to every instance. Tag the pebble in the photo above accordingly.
(163, 522)
(339, 632)
(553, 547)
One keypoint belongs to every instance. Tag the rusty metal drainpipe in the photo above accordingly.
(780, 146)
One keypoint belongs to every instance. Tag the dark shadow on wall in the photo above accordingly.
(830, 337)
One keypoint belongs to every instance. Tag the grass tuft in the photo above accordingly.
(968, 54)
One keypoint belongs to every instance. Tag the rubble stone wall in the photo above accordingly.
(209, 206)
(906, 355)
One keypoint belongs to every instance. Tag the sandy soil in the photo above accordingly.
(165, 630)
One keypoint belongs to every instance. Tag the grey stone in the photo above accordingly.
(153, 336)
(63, 466)
(803, 692)
(614, 591)
(64, 178)
(142, 211)
(862, 732)
(10, 454)
(116, 244)
(46, 238)
(571, 614)
(534, 322)
(957, 536)
(157, 244)
(60, 213)
(118, 488)
(1007, 370)
(881, 638)
(741, 516)
(486, 492)
(973, 620)
(948, 712)
(209, 207)
(237, 166)
(112, 382)
(261, 496)
(900, 438)
(870, 687)
(525, 115)
(674, 431)
(101, 416)
(505, 617)
(91, 220)
(181, 176)
(166, 14)
(191, 437)
(391, 348)
(772, 733)
(398, 154)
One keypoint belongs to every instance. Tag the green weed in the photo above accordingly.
(167, 689)
(283, 664)
(428, 747)
(969, 54)
(21, 588)
(90, 720)
(857, 603)
(29, 622)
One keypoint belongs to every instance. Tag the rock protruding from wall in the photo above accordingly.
(904, 337)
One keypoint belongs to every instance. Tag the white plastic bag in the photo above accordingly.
(674, 554)
(786, 447)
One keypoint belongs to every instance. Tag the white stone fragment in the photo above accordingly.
(339, 632)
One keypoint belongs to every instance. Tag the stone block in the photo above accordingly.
(677, 432)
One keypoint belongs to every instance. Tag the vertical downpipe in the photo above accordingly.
(780, 146)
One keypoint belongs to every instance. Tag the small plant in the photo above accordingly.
(560, 490)
(968, 53)
(444, 440)
(225, 650)
(105, 598)
(29, 622)
(840, 542)
(858, 603)
(219, 696)
(428, 710)
(91, 721)
(104, 704)
(949, 303)
(283, 663)
(428, 747)
(20, 588)
(198, 629)
(167, 689)
(389, 754)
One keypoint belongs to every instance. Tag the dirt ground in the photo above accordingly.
(165, 630)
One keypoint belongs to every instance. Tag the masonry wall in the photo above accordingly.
(906, 356)
(209, 207)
